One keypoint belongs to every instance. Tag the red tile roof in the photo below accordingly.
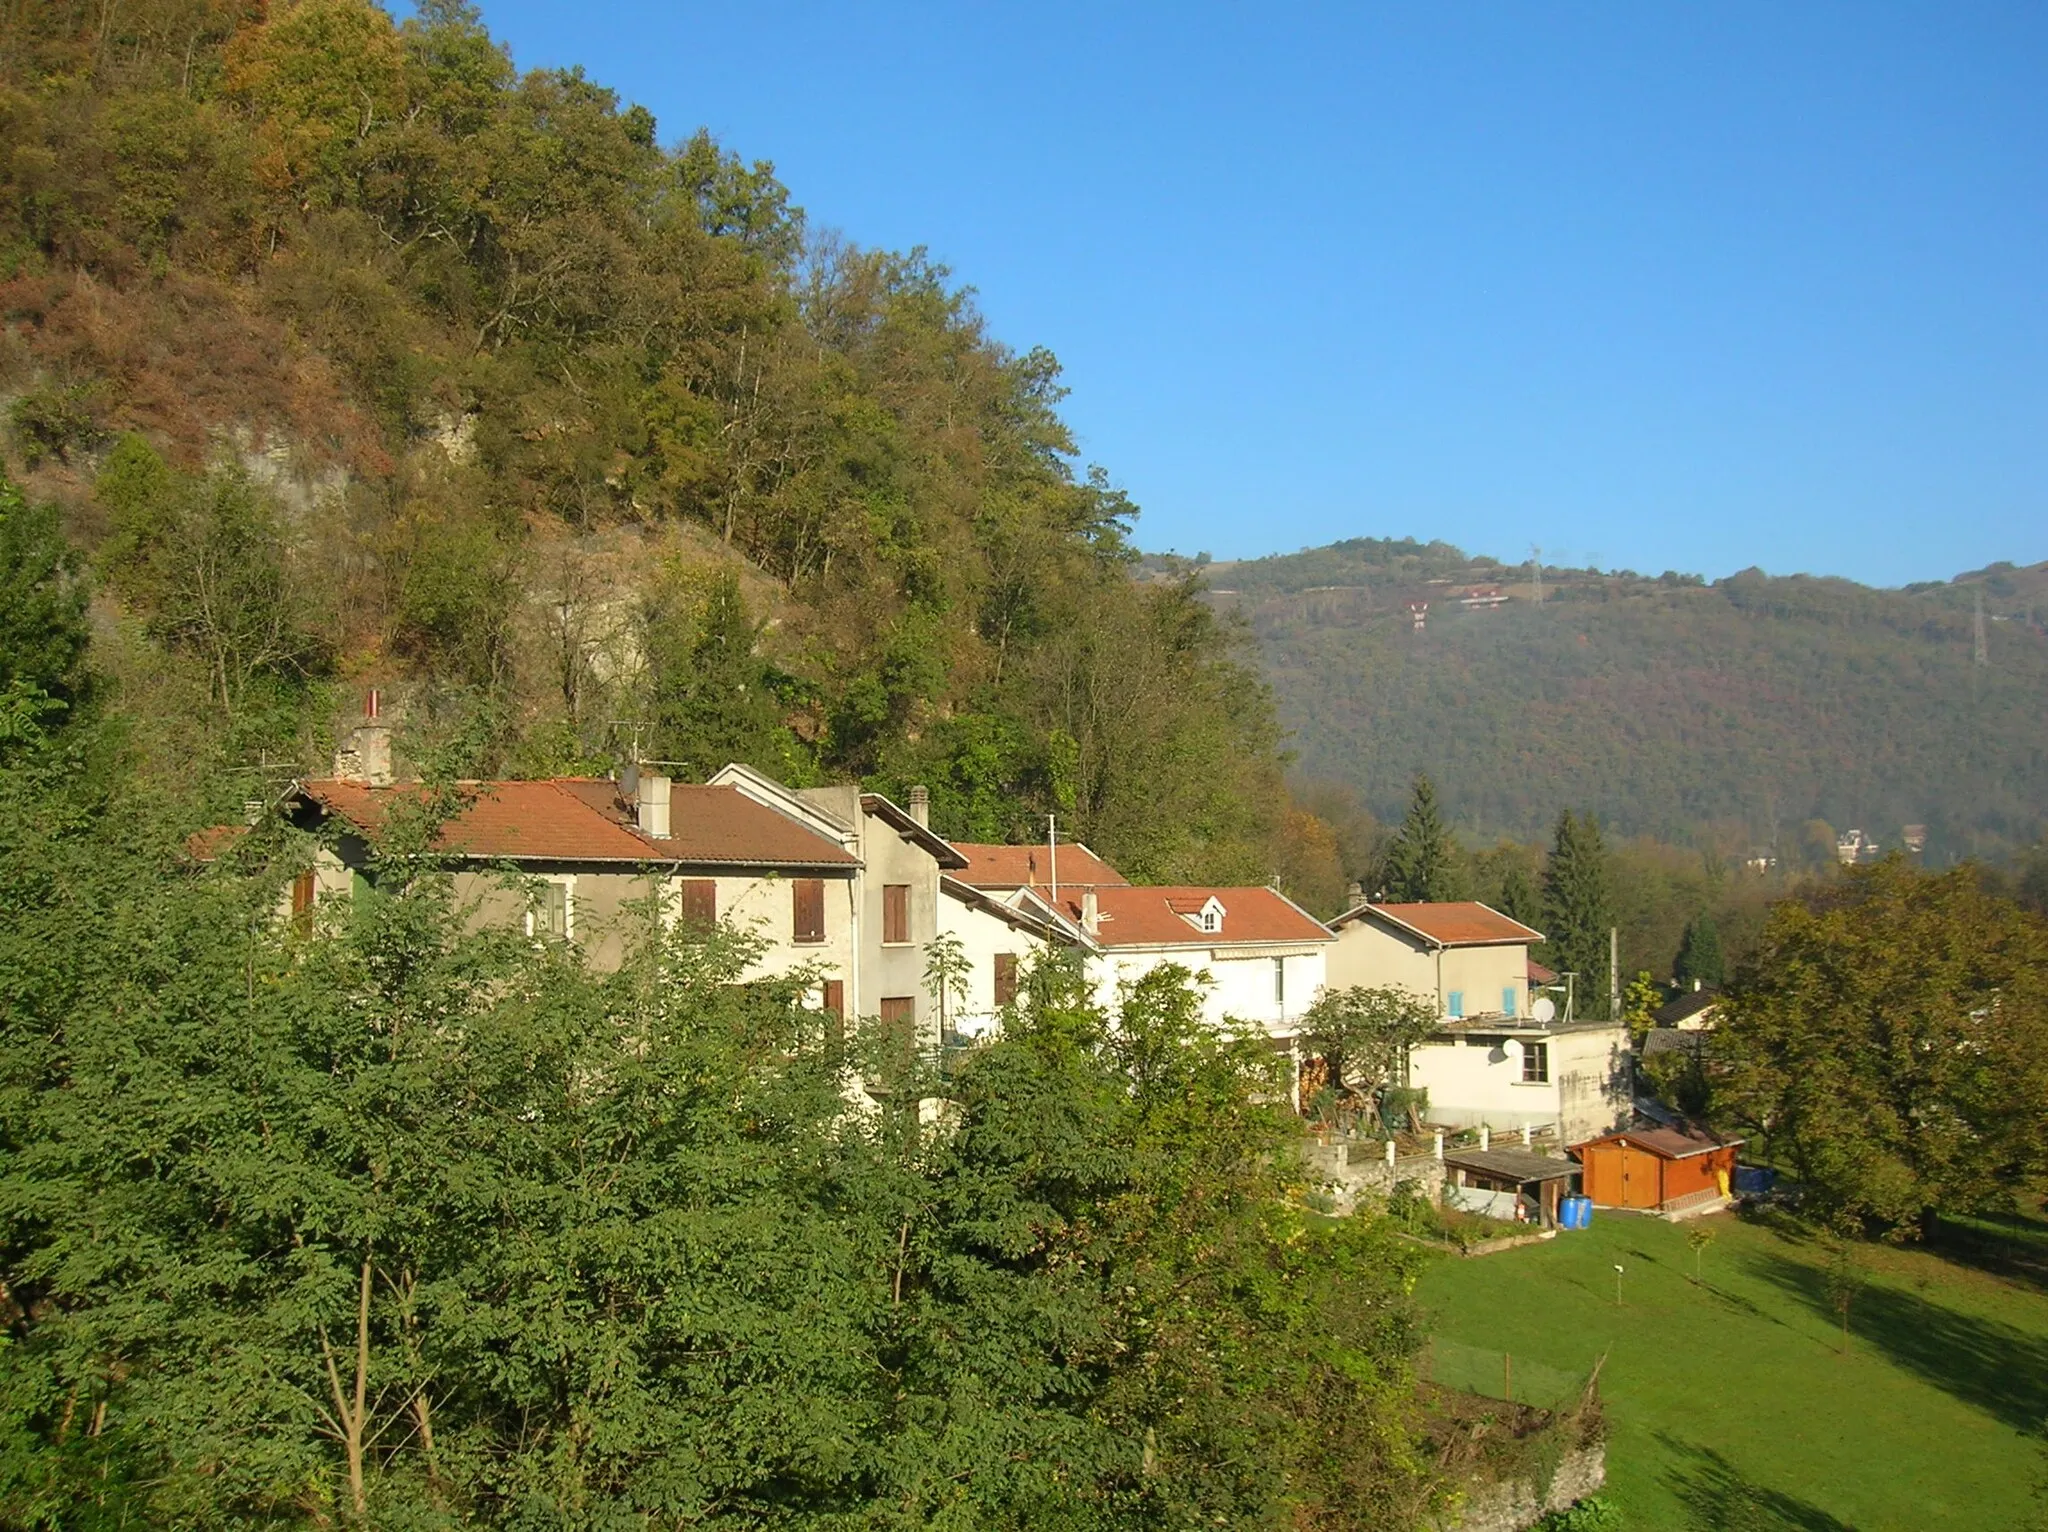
(578, 819)
(1538, 974)
(1031, 867)
(213, 842)
(1452, 923)
(1150, 917)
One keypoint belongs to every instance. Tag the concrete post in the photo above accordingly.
(1528, 1135)
(1485, 1136)
(1439, 1143)
(1390, 1154)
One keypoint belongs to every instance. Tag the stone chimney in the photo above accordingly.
(650, 805)
(1354, 895)
(921, 805)
(1091, 912)
(365, 756)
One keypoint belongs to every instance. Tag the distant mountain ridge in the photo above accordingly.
(1737, 714)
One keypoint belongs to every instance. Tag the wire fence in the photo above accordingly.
(1500, 1374)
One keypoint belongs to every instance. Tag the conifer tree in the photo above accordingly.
(1578, 909)
(1518, 900)
(1699, 955)
(1421, 861)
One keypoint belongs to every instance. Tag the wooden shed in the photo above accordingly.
(1657, 1169)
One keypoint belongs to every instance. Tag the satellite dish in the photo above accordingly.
(629, 779)
(1511, 1048)
(1545, 1009)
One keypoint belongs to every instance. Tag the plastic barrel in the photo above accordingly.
(1575, 1212)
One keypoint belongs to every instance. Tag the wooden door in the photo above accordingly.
(1640, 1186)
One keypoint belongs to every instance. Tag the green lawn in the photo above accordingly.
(1731, 1405)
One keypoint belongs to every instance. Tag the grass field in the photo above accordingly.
(1732, 1406)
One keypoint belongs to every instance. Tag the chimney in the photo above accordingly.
(1354, 895)
(365, 756)
(651, 805)
(921, 805)
(1091, 913)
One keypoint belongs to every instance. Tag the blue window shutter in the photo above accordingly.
(1457, 1002)
(1507, 1001)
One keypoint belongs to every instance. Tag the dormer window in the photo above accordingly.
(1212, 917)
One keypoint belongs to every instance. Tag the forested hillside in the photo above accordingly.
(353, 356)
(1753, 712)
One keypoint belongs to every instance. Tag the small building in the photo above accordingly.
(1694, 1011)
(1507, 1183)
(1663, 1170)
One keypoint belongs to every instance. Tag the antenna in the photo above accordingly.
(1983, 652)
(1536, 572)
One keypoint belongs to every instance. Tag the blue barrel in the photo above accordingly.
(1574, 1212)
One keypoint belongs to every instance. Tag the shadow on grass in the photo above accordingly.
(2002, 1244)
(1996, 1367)
(1718, 1498)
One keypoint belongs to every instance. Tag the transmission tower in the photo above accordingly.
(1983, 651)
(1536, 573)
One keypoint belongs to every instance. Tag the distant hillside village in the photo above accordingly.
(928, 939)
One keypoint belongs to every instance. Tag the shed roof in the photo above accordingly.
(1686, 1006)
(1448, 923)
(1667, 1143)
(1511, 1164)
(582, 819)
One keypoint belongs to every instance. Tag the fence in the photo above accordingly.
(1496, 1374)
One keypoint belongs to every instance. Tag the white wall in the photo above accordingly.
(982, 937)
(1239, 995)
(1367, 953)
(1471, 1084)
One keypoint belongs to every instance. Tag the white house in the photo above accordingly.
(1498, 1059)
(999, 937)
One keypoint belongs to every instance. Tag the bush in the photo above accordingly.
(53, 422)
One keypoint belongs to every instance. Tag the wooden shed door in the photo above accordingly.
(1639, 1178)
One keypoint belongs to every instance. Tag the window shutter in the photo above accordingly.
(700, 901)
(835, 998)
(1006, 979)
(807, 897)
(899, 1027)
(302, 903)
(1507, 1000)
(895, 912)
(1457, 1003)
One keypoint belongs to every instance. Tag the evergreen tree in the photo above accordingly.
(714, 695)
(1699, 955)
(1421, 862)
(1518, 898)
(42, 609)
(1578, 909)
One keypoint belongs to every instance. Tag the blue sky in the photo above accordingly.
(1653, 286)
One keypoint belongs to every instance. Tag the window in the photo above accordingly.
(1280, 982)
(807, 909)
(1457, 1003)
(1535, 1063)
(1507, 1001)
(895, 913)
(700, 902)
(1212, 920)
(303, 893)
(1006, 979)
(835, 998)
(550, 917)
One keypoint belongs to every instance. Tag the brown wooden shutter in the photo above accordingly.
(899, 1027)
(807, 899)
(700, 901)
(835, 998)
(302, 903)
(1006, 978)
(896, 912)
